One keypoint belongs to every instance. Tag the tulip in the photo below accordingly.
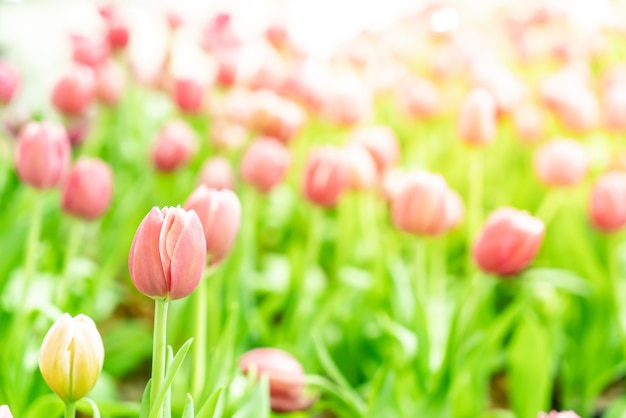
(219, 212)
(325, 176)
(347, 101)
(5, 412)
(426, 205)
(578, 109)
(477, 120)
(9, 82)
(219, 34)
(189, 95)
(271, 115)
(217, 173)
(561, 163)
(42, 154)
(285, 377)
(265, 163)
(174, 146)
(168, 254)
(109, 84)
(381, 142)
(227, 135)
(557, 414)
(361, 167)
(508, 242)
(71, 357)
(418, 97)
(75, 91)
(607, 204)
(117, 31)
(87, 189)
(393, 181)
(89, 51)
(173, 18)
(528, 122)
(615, 107)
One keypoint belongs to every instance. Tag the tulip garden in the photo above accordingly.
(426, 222)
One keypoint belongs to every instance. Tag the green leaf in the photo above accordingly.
(169, 377)
(188, 412)
(145, 401)
(167, 402)
(557, 278)
(617, 409)
(214, 406)
(257, 404)
(45, 406)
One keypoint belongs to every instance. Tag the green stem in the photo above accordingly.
(200, 335)
(420, 280)
(159, 350)
(475, 198)
(73, 240)
(70, 410)
(549, 206)
(32, 247)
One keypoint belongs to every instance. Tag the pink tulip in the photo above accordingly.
(426, 205)
(418, 97)
(381, 142)
(615, 107)
(529, 123)
(265, 163)
(477, 120)
(217, 173)
(561, 163)
(75, 91)
(271, 115)
(189, 95)
(5, 412)
(578, 109)
(109, 84)
(607, 202)
(557, 414)
(228, 136)
(219, 34)
(42, 154)
(285, 377)
(9, 82)
(361, 167)
(305, 86)
(168, 254)
(508, 242)
(91, 52)
(118, 32)
(260, 67)
(87, 189)
(220, 214)
(393, 182)
(174, 147)
(347, 101)
(174, 19)
(325, 176)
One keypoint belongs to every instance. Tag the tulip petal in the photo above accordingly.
(188, 257)
(144, 261)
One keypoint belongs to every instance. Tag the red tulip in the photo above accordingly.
(87, 189)
(607, 204)
(325, 176)
(381, 142)
(75, 91)
(42, 154)
(9, 82)
(561, 163)
(168, 254)
(477, 120)
(508, 242)
(174, 146)
(118, 32)
(265, 163)
(220, 214)
(217, 173)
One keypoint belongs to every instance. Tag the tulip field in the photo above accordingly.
(428, 220)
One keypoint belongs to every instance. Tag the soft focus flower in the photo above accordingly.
(71, 357)
(417, 97)
(508, 242)
(381, 142)
(217, 173)
(109, 84)
(325, 176)
(557, 414)
(607, 202)
(168, 253)
(227, 135)
(426, 205)
(578, 109)
(615, 107)
(173, 18)
(505, 88)
(75, 91)
(361, 167)
(219, 34)
(174, 146)
(265, 163)
(477, 120)
(285, 377)
(561, 163)
(42, 154)
(118, 32)
(393, 182)
(5, 412)
(189, 94)
(220, 214)
(347, 101)
(9, 82)
(87, 189)
(529, 123)
(88, 51)
(271, 115)
(77, 128)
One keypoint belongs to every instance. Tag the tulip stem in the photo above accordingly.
(475, 199)
(70, 410)
(32, 247)
(159, 351)
(549, 206)
(200, 336)
(74, 237)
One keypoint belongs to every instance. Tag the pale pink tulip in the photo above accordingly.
(9, 82)
(477, 124)
(265, 163)
(325, 176)
(607, 202)
(75, 91)
(381, 142)
(88, 188)
(561, 163)
(217, 173)
(174, 147)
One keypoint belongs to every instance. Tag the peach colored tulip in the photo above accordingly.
(615, 107)
(109, 84)
(347, 101)
(265, 163)
(271, 115)
(71, 357)
(260, 67)
(217, 173)
(361, 167)
(168, 254)
(607, 202)
(189, 95)
(92, 52)
(558, 414)
(220, 214)
(304, 85)
(75, 91)
(174, 147)
(325, 176)
(477, 120)
(87, 189)
(561, 163)
(381, 142)
(42, 154)
(285, 376)
(578, 109)
(426, 205)
(229, 136)
(529, 122)
(508, 242)
(5, 412)
(9, 82)
(393, 182)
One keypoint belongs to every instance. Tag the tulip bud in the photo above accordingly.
(325, 176)
(71, 357)
(5, 412)
(561, 163)
(75, 91)
(117, 31)
(87, 189)
(362, 170)
(217, 173)
(615, 107)
(42, 154)
(285, 377)
(381, 142)
(220, 214)
(9, 81)
(265, 163)
(426, 205)
(189, 95)
(110, 84)
(174, 146)
(477, 120)
(168, 254)
(508, 242)
(607, 205)
(556, 414)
